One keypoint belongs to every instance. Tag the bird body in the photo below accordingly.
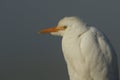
(90, 57)
(87, 51)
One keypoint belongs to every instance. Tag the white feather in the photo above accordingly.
(87, 52)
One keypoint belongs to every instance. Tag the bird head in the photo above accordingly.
(66, 24)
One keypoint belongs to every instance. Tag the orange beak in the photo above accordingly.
(53, 29)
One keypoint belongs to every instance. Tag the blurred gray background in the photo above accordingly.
(25, 55)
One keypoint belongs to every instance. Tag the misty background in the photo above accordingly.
(25, 55)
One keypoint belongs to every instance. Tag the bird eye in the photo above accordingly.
(64, 27)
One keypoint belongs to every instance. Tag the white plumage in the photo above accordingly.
(87, 52)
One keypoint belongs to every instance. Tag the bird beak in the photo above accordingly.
(49, 30)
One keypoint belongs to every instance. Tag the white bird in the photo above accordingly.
(87, 51)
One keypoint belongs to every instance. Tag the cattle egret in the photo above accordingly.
(87, 51)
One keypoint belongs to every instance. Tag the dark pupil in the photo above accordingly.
(65, 27)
